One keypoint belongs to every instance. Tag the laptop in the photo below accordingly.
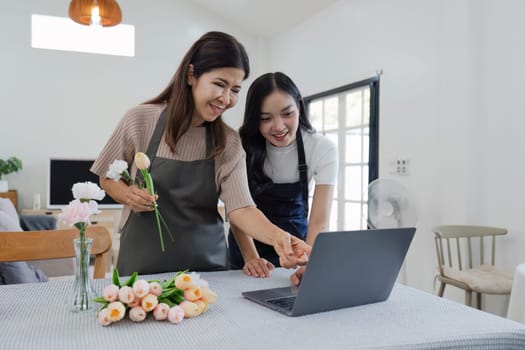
(345, 269)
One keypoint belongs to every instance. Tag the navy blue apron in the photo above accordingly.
(188, 202)
(285, 205)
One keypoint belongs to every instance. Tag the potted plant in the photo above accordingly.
(8, 166)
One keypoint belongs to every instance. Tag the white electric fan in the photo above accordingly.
(390, 205)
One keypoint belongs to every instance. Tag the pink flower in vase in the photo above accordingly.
(78, 212)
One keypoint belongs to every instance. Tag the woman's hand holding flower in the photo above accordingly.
(139, 200)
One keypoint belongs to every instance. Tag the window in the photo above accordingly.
(349, 116)
(59, 33)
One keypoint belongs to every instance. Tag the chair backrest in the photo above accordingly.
(54, 244)
(453, 236)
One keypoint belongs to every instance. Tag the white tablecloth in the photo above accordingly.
(36, 316)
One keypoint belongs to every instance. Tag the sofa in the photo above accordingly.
(35, 271)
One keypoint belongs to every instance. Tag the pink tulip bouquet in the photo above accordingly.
(118, 170)
(185, 295)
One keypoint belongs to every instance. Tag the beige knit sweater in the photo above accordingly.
(134, 132)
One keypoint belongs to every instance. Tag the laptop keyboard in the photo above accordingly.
(285, 303)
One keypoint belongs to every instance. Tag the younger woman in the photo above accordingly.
(283, 155)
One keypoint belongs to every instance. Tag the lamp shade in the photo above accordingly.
(80, 11)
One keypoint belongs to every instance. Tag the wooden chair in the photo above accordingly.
(54, 244)
(455, 261)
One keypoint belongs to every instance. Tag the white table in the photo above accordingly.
(36, 317)
(516, 309)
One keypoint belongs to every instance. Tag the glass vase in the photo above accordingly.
(83, 290)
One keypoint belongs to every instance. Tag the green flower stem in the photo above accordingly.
(166, 227)
(151, 190)
(83, 249)
(126, 176)
(84, 271)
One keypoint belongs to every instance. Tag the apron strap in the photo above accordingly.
(159, 130)
(303, 170)
(157, 136)
(209, 144)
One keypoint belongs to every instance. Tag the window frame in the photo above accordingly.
(373, 84)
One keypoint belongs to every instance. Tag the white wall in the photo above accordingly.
(66, 104)
(451, 101)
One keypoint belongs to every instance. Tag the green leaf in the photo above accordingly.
(167, 301)
(132, 279)
(181, 272)
(100, 300)
(12, 164)
(168, 292)
(159, 228)
(177, 298)
(169, 283)
(116, 278)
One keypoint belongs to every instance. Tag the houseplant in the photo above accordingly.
(8, 166)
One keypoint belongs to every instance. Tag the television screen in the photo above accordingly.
(63, 174)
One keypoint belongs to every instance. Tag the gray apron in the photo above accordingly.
(188, 202)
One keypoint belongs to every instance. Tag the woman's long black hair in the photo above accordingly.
(253, 142)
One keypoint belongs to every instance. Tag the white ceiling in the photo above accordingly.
(265, 18)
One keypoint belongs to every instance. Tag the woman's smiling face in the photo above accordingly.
(214, 92)
(279, 119)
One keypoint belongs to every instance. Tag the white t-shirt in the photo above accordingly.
(281, 164)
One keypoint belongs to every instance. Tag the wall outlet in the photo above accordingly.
(402, 166)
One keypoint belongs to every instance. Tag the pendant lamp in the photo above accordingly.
(95, 12)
